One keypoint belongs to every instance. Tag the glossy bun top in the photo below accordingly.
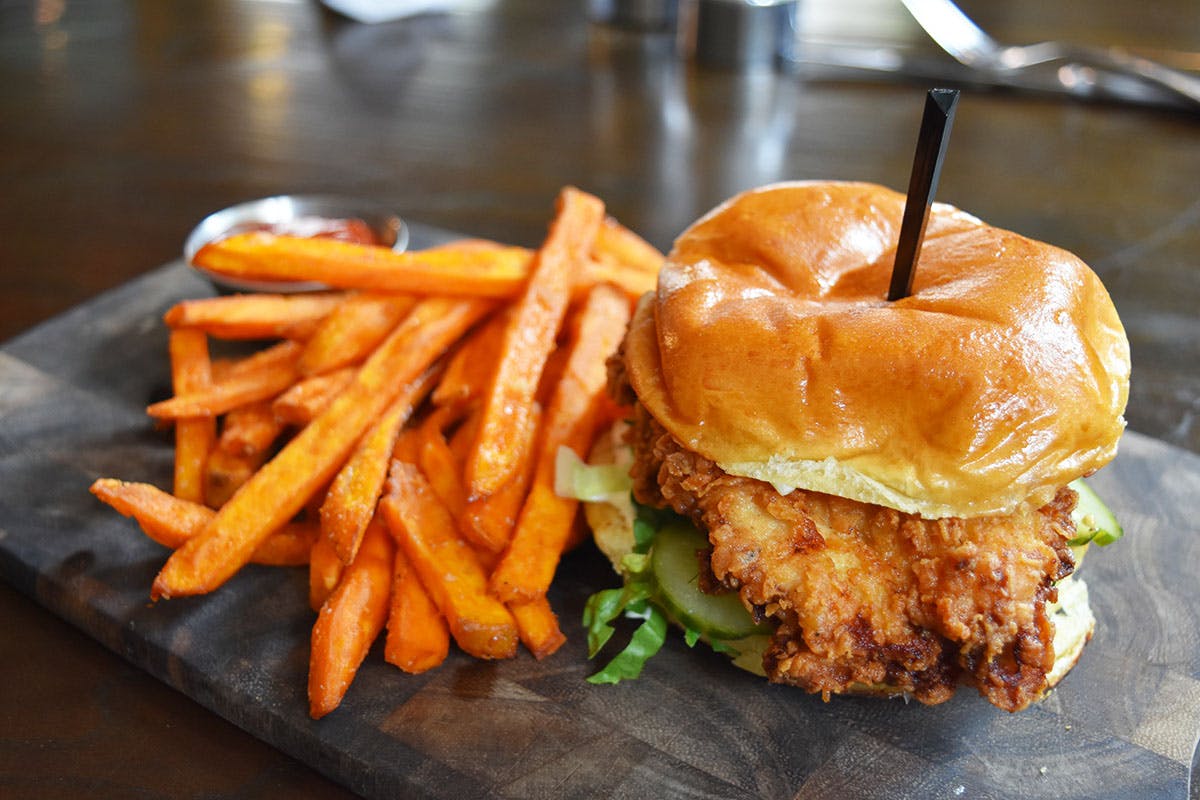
(769, 347)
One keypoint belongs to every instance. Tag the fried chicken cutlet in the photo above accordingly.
(867, 598)
(893, 483)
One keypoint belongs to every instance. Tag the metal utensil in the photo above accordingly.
(735, 34)
(1076, 69)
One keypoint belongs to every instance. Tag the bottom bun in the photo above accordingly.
(1074, 624)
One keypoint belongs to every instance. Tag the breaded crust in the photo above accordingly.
(868, 598)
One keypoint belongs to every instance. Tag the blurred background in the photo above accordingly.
(124, 123)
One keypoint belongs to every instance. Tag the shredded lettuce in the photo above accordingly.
(591, 483)
(606, 606)
(633, 600)
(646, 525)
(637, 599)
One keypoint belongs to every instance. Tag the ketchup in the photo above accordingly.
(346, 230)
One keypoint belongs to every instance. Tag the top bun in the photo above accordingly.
(770, 348)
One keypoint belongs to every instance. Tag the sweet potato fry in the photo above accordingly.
(441, 467)
(353, 330)
(225, 473)
(249, 430)
(163, 517)
(556, 362)
(464, 436)
(309, 460)
(538, 627)
(349, 621)
(236, 389)
(488, 522)
(231, 466)
(470, 367)
(543, 527)
(191, 371)
(615, 241)
(546, 518)
(443, 418)
(417, 637)
(308, 397)
(352, 497)
(324, 571)
(267, 359)
(632, 281)
(290, 546)
(446, 528)
(171, 521)
(528, 340)
(247, 435)
(448, 567)
(494, 272)
(254, 316)
(408, 446)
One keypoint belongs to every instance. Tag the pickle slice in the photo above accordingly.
(1094, 522)
(673, 561)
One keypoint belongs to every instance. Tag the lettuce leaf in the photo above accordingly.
(590, 483)
(646, 640)
(637, 599)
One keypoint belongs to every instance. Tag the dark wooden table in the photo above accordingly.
(123, 124)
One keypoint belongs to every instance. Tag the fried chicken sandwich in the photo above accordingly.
(885, 496)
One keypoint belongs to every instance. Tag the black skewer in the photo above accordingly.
(927, 168)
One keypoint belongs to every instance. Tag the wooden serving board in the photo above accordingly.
(1123, 724)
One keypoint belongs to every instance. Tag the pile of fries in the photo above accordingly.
(400, 437)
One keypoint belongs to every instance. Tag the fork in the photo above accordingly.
(1082, 70)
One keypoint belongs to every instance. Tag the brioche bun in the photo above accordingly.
(769, 348)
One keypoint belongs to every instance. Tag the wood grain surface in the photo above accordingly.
(1123, 724)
